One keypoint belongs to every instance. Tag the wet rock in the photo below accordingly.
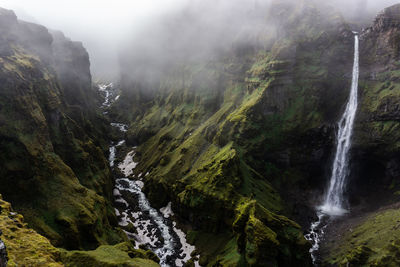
(3, 253)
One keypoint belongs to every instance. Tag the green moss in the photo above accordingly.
(25, 246)
(373, 242)
(121, 254)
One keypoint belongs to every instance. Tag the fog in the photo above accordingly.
(101, 25)
(154, 27)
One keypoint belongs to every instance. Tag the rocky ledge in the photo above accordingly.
(388, 18)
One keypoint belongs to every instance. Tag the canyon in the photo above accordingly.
(211, 161)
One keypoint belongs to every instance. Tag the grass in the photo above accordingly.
(122, 254)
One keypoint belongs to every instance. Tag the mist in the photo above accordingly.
(102, 25)
(155, 28)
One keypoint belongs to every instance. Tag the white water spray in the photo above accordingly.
(334, 201)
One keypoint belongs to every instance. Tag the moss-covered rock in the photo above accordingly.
(122, 254)
(25, 247)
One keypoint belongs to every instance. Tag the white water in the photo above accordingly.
(113, 150)
(334, 202)
(334, 199)
(167, 249)
(154, 229)
(128, 165)
(317, 231)
(122, 127)
(108, 93)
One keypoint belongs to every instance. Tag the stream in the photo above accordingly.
(149, 228)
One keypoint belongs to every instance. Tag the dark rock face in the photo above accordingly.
(52, 167)
(71, 62)
(389, 18)
(376, 137)
(3, 253)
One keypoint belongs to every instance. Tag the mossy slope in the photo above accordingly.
(375, 241)
(122, 254)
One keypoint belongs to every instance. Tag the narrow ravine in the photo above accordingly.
(335, 203)
(148, 227)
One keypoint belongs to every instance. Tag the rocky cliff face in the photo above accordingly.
(374, 239)
(236, 143)
(46, 135)
(376, 147)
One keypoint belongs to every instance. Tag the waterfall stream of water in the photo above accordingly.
(334, 203)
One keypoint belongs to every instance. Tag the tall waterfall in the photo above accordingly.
(334, 201)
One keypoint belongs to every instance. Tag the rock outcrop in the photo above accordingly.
(25, 247)
(122, 254)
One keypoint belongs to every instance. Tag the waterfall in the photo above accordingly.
(334, 200)
(333, 204)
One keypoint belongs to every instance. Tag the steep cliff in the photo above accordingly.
(52, 166)
(236, 143)
(373, 238)
(376, 146)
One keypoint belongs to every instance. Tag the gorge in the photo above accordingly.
(235, 135)
(150, 228)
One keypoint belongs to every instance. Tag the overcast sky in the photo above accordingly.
(101, 25)
(104, 25)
